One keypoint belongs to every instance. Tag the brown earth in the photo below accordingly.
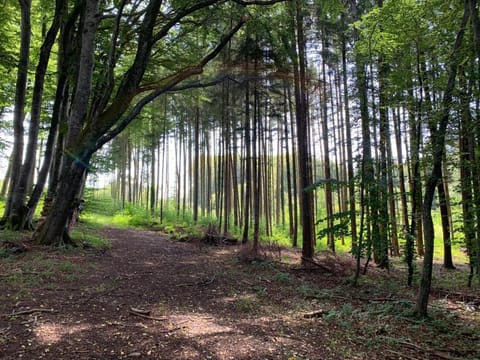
(149, 297)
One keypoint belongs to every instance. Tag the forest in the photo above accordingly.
(340, 127)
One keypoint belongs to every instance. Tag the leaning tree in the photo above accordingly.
(123, 59)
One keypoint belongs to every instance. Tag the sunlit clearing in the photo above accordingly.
(196, 325)
(51, 333)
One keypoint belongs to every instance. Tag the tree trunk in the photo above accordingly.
(473, 7)
(326, 155)
(59, 111)
(196, 163)
(14, 215)
(401, 171)
(447, 243)
(290, 187)
(303, 145)
(348, 127)
(153, 183)
(256, 168)
(6, 180)
(467, 164)
(248, 164)
(19, 200)
(381, 251)
(438, 143)
(54, 229)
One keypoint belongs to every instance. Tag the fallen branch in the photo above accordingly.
(427, 350)
(140, 311)
(317, 264)
(148, 316)
(30, 311)
(172, 330)
(199, 283)
(401, 355)
(457, 295)
(206, 282)
(314, 314)
(94, 294)
(13, 273)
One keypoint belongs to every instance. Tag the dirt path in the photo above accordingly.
(149, 297)
(198, 305)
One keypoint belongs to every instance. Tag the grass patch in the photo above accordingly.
(88, 237)
(246, 304)
(34, 270)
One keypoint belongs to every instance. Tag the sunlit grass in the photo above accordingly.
(84, 234)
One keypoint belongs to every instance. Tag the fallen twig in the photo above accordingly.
(199, 283)
(206, 282)
(148, 316)
(140, 311)
(317, 264)
(30, 311)
(172, 330)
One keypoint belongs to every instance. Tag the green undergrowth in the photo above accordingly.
(86, 236)
(24, 272)
(101, 210)
(381, 313)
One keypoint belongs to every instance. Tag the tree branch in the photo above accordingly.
(258, 2)
(168, 85)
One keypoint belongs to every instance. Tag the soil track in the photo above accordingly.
(149, 297)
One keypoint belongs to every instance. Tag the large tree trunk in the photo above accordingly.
(54, 229)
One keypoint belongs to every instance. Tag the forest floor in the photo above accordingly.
(150, 297)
